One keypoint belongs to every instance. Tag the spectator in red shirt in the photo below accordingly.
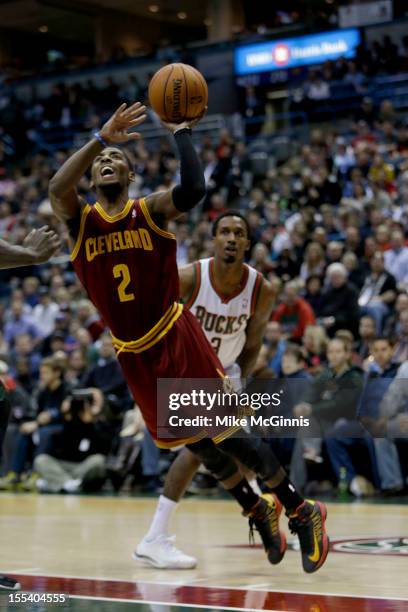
(364, 134)
(294, 314)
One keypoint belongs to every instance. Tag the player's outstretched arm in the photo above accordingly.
(38, 247)
(62, 189)
(191, 190)
(256, 329)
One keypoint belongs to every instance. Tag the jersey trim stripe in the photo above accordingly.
(196, 286)
(226, 434)
(204, 434)
(151, 223)
(84, 213)
(255, 292)
(174, 443)
(227, 298)
(153, 336)
(120, 215)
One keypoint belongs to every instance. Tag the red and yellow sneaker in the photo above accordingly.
(308, 522)
(264, 518)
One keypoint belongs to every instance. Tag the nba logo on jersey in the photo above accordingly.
(134, 213)
(244, 304)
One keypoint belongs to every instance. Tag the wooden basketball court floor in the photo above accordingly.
(81, 546)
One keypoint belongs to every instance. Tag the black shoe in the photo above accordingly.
(308, 522)
(264, 517)
(9, 584)
(117, 479)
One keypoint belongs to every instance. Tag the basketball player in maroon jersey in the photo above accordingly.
(125, 257)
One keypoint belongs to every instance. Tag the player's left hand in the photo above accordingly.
(116, 129)
(190, 123)
(42, 243)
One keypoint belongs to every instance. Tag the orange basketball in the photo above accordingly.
(178, 92)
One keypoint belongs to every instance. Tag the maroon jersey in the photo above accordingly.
(128, 267)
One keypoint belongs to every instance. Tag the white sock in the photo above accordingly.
(160, 523)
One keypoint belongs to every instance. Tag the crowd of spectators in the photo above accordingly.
(39, 121)
(328, 229)
(335, 88)
(56, 116)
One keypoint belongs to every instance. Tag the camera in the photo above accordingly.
(78, 399)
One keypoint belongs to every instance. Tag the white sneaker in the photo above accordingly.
(73, 485)
(361, 487)
(161, 552)
(42, 486)
(310, 454)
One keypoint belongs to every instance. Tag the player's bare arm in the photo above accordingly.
(64, 198)
(37, 248)
(171, 204)
(256, 329)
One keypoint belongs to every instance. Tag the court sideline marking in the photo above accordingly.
(215, 586)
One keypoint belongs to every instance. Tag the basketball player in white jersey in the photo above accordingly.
(233, 303)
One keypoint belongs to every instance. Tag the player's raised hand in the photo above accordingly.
(116, 129)
(189, 123)
(42, 243)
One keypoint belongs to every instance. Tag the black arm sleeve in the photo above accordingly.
(192, 185)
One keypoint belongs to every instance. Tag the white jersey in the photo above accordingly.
(224, 319)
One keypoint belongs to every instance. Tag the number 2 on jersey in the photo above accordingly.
(122, 271)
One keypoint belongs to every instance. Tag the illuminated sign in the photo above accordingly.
(293, 52)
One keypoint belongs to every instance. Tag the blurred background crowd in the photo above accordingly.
(328, 212)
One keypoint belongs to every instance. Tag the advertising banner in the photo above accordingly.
(295, 52)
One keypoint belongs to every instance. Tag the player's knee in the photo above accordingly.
(253, 453)
(218, 463)
(190, 460)
(97, 460)
(40, 462)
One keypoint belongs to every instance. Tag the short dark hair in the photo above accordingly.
(296, 351)
(313, 277)
(231, 213)
(52, 363)
(127, 157)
